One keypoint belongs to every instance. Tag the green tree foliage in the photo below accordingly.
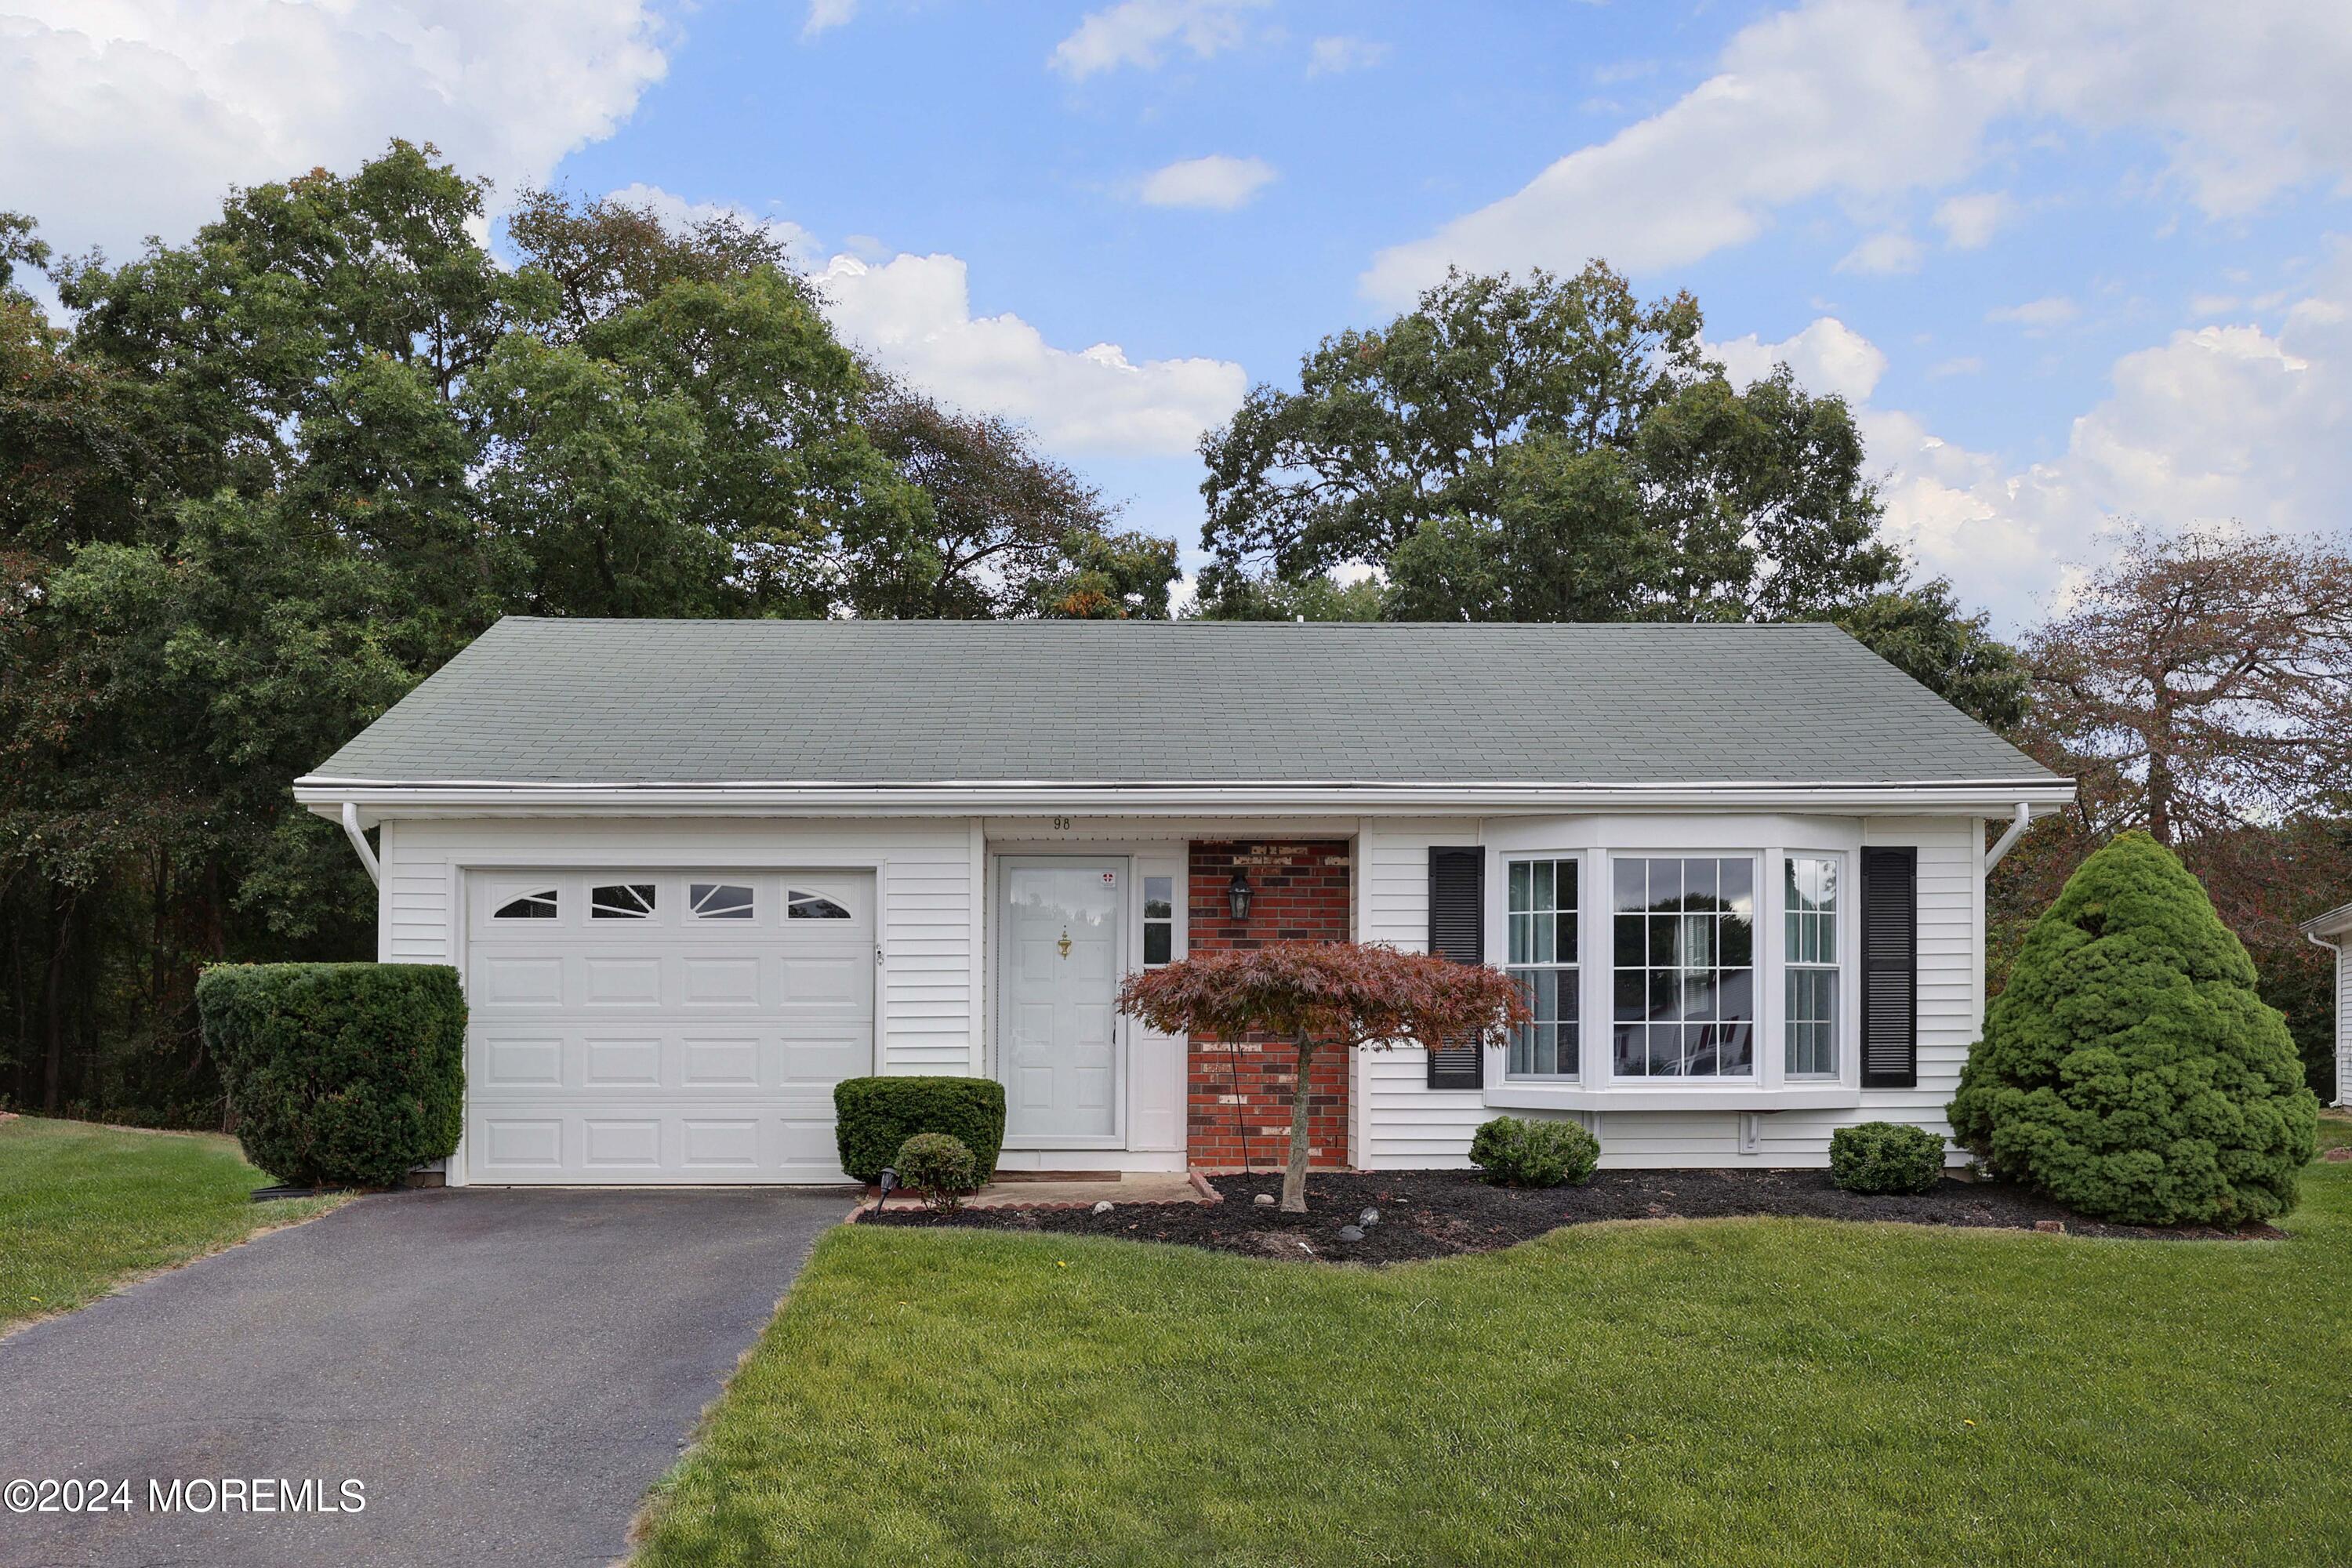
(271, 476)
(1224, 592)
(1548, 450)
(1558, 450)
(346, 1073)
(1924, 632)
(2129, 1069)
(1008, 532)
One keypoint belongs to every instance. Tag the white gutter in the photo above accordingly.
(1956, 797)
(357, 836)
(2008, 840)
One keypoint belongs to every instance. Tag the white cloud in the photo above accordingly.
(914, 313)
(677, 212)
(2002, 536)
(1864, 100)
(1959, 364)
(2247, 99)
(120, 118)
(2005, 536)
(1970, 222)
(2223, 422)
(1216, 181)
(825, 15)
(1330, 56)
(1828, 357)
(1889, 252)
(1140, 32)
(2037, 315)
(2216, 426)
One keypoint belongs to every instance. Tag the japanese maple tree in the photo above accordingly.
(1325, 996)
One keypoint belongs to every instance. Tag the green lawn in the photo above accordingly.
(1740, 1392)
(84, 1208)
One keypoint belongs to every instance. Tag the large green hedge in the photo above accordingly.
(339, 1073)
(878, 1114)
(2129, 1070)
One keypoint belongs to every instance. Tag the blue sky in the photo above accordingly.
(2076, 265)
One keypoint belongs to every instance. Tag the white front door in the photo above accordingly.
(1061, 952)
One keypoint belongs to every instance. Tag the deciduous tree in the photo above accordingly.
(1324, 996)
(272, 475)
(2205, 680)
(2201, 688)
(1010, 532)
(1548, 450)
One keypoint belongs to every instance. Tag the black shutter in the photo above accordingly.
(1457, 930)
(1890, 968)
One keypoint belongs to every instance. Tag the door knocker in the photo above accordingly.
(1064, 943)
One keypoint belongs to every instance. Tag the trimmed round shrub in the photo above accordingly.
(876, 1115)
(1885, 1157)
(339, 1074)
(938, 1168)
(1514, 1151)
(2129, 1070)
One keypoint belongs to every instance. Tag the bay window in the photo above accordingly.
(1684, 945)
(1542, 913)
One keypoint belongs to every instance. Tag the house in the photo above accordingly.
(2334, 930)
(694, 873)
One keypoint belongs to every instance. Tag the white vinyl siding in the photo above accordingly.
(2344, 1018)
(931, 882)
(416, 926)
(1402, 1124)
(929, 963)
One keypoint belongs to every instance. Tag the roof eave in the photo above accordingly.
(2336, 921)
(382, 797)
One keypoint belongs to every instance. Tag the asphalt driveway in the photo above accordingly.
(503, 1371)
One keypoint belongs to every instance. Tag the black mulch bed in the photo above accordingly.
(1438, 1214)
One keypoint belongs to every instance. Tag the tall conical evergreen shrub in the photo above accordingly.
(2128, 1069)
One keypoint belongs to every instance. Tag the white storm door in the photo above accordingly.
(1061, 952)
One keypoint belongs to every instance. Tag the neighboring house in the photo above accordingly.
(694, 873)
(2334, 930)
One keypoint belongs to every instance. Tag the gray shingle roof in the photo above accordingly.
(857, 702)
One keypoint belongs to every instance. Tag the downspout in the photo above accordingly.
(2001, 846)
(2342, 1088)
(357, 836)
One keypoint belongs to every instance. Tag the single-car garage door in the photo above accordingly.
(664, 1026)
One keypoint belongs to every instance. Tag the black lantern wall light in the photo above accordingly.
(1237, 894)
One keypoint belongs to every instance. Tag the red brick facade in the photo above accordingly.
(1238, 1108)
